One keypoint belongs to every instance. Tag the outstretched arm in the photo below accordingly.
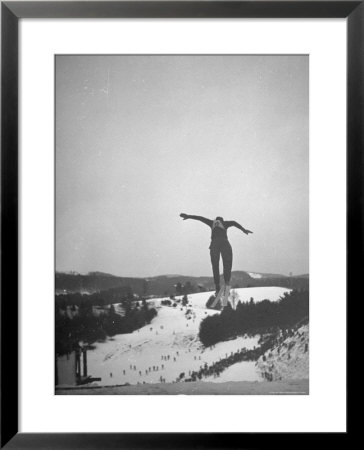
(200, 218)
(232, 223)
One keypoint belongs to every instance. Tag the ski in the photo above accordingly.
(217, 298)
(225, 298)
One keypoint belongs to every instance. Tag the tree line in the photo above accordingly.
(89, 328)
(255, 318)
(100, 298)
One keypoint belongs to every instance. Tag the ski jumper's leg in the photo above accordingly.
(227, 259)
(215, 260)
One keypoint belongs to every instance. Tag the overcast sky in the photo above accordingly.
(140, 139)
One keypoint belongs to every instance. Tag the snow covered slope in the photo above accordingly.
(169, 346)
(289, 359)
(255, 275)
(271, 293)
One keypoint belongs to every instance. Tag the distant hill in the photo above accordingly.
(94, 282)
(67, 282)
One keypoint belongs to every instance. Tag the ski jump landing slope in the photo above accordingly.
(169, 345)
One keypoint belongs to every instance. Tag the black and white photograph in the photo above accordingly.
(182, 224)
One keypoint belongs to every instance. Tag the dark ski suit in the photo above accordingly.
(219, 246)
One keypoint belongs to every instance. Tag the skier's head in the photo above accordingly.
(219, 218)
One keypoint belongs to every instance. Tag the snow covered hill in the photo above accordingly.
(258, 294)
(169, 346)
(288, 360)
(255, 275)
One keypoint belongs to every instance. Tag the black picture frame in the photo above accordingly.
(11, 13)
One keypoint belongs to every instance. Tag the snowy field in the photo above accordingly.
(255, 275)
(169, 345)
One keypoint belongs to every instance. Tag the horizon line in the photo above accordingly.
(70, 272)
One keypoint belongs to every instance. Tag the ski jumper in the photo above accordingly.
(219, 246)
